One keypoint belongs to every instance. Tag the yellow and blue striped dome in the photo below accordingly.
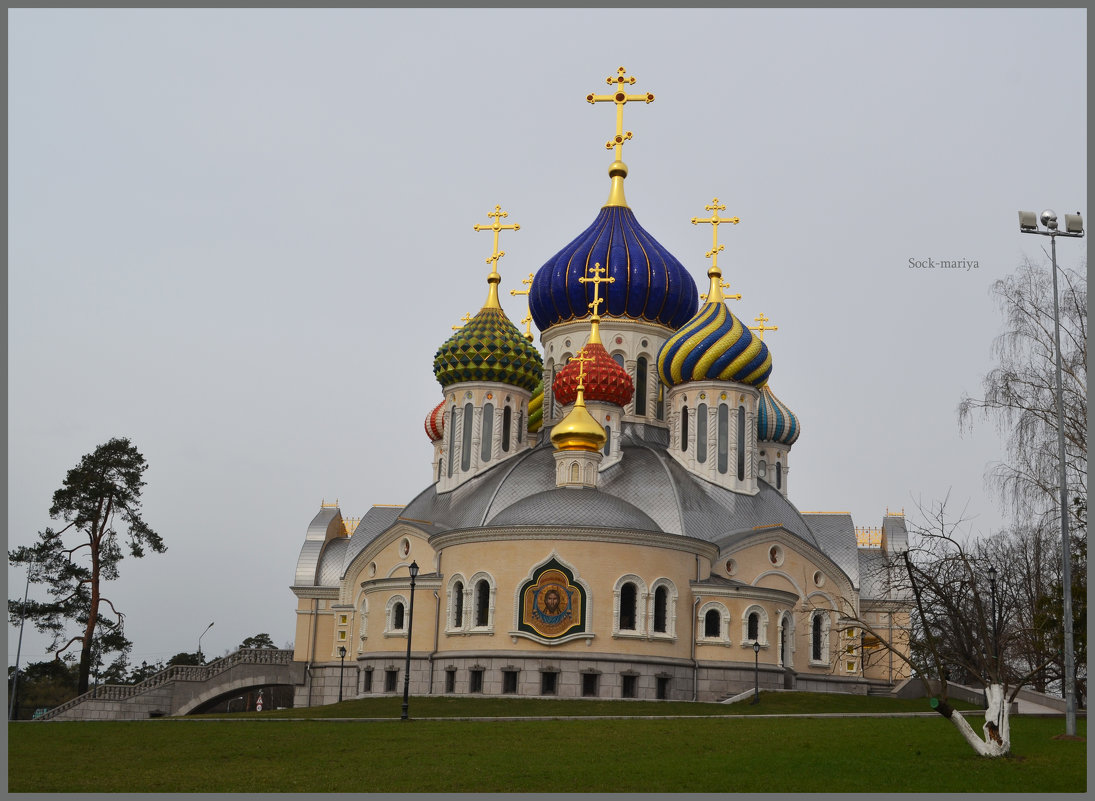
(775, 422)
(714, 345)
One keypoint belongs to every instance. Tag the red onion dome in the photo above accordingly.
(605, 379)
(435, 422)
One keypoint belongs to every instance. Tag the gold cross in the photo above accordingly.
(581, 368)
(715, 207)
(466, 318)
(760, 329)
(527, 319)
(619, 98)
(596, 280)
(724, 285)
(496, 254)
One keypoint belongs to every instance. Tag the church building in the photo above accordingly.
(610, 514)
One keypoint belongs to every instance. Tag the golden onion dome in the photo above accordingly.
(578, 431)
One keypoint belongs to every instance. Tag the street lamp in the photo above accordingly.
(410, 626)
(200, 660)
(756, 673)
(1074, 227)
(19, 648)
(341, 669)
(230, 700)
(995, 638)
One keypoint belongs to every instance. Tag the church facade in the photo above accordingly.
(609, 514)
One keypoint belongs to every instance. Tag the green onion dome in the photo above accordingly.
(488, 348)
(536, 408)
(775, 422)
(714, 345)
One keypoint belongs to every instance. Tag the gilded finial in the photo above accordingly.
(761, 328)
(596, 280)
(617, 171)
(494, 278)
(714, 273)
(466, 318)
(527, 319)
(723, 285)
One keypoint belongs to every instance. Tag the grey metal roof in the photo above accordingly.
(836, 538)
(894, 533)
(879, 570)
(574, 507)
(330, 563)
(314, 538)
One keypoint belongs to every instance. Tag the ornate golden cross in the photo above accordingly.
(466, 318)
(715, 207)
(760, 329)
(581, 368)
(596, 280)
(619, 98)
(497, 227)
(724, 285)
(527, 320)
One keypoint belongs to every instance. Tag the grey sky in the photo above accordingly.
(238, 237)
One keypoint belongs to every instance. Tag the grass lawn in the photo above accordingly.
(702, 754)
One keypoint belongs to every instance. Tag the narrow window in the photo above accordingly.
(458, 605)
(509, 682)
(465, 451)
(628, 688)
(589, 685)
(684, 428)
(660, 409)
(488, 432)
(619, 357)
(608, 441)
(779, 478)
(450, 681)
(627, 606)
(754, 626)
(452, 437)
(367, 682)
(741, 443)
(397, 617)
(549, 392)
(816, 639)
(482, 602)
(391, 678)
(507, 422)
(575, 473)
(640, 386)
(475, 681)
(712, 623)
(724, 424)
(661, 608)
(701, 433)
(548, 683)
(520, 425)
(438, 469)
(663, 688)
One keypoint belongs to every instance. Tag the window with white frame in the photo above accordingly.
(457, 618)
(363, 632)
(482, 602)
(629, 601)
(714, 623)
(819, 638)
(663, 609)
(396, 615)
(754, 626)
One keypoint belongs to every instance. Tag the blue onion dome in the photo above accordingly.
(714, 345)
(489, 348)
(649, 283)
(775, 422)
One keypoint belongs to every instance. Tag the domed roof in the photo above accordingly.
(578, 431)
(435, 422)
(775, 422)
(714, 345)
(536, 408)
(650, 283)
(605, 380)
(488, 348)
(575, 507)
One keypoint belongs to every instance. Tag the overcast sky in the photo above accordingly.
(238, 237)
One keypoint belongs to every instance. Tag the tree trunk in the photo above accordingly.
(997, 728)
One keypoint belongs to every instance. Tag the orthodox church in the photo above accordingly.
(609, 515)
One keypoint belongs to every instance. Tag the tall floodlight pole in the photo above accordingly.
(1074, 226)
(200, 661)
(19, 648)
(410, 628)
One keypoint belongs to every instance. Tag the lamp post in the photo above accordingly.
(995, 638)
(1074, 227)
(230, 700)
(200, 660)
(410, 627)
(341, 669)
(19, 648)
(756, 673)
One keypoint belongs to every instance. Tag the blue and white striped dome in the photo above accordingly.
(775, 422)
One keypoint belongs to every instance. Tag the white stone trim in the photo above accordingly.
(670, 632)
(724, 624)
(451, 627)
(762, 626)
(641, 596)
(473, 587)
(389, 617)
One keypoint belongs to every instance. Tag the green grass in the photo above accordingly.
(730, 754)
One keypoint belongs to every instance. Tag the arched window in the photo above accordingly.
(640, 386)
(465, 451)
(724, 424)
(488, 433)
(779, 478)
(819, 637)
(712, 624)
(684, 428)
(660, 410)
(619, 357)
(608, 440)
(741, 443)
(507, 422)
(482, 603)
(628, 602)
(457, 596)
(701, 433)
(754, 626)
(397, 617)
(452, 437)
(661, 609)
(363, 629)
(520, 424)
(575, 473)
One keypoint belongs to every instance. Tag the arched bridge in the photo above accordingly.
(182, 689)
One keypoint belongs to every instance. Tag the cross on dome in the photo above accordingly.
(466, 318)
(496, 254)
(527, 319)
(760, 329)
(620, 98)
(714, 273)
(596, 280)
